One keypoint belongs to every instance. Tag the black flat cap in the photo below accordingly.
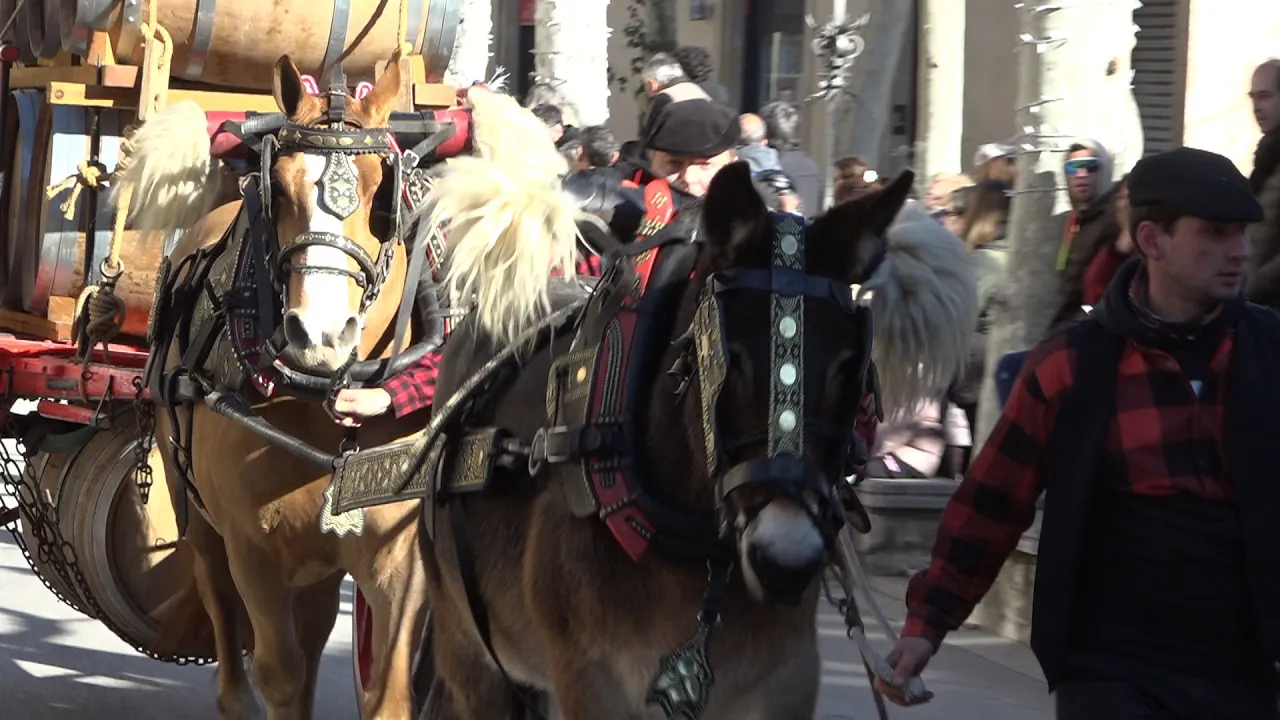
(694, 128)
(1194, 182)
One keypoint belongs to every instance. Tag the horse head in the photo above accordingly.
(333, 201)
(782, 353)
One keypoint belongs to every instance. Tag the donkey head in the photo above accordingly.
(783, 353)
(333, 200)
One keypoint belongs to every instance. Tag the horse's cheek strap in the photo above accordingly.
(708, 338)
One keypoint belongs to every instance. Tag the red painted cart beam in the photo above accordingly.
(45, 369)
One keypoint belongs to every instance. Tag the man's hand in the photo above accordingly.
(908, 659)
(359, 404)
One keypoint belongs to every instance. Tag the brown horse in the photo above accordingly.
(258, 534)
(732, 460)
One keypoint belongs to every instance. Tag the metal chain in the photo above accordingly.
(40, 517)
(145, 415)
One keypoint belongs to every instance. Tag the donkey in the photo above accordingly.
(743, 440)
(266, 505)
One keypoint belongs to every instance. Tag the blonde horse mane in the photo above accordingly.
(170, 174)
(509, 221)
(924, 301)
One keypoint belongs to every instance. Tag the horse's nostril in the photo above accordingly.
(295, 333)
(350, 333)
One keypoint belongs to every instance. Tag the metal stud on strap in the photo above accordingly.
(786, 399)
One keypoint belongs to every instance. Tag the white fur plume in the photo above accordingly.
(169, 170)
(509, 221)
(924, 302)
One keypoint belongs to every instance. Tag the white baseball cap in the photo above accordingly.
(990, 152)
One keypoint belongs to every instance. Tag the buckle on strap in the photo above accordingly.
(562, 444)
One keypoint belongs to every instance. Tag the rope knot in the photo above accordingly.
(90, 174)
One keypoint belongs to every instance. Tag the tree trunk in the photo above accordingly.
(878, 68)
(471, 49)
(1059, 86)
(572, 49)
(941, 78)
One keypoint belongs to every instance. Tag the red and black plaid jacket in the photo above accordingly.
(1163, 440)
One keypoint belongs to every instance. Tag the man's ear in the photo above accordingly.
(1148, 240)
(732, 213)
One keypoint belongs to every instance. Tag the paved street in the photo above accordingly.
(58, 665)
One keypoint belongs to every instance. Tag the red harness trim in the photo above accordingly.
(659, 208)
(612, 488)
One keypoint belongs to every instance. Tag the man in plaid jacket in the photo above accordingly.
(1157, 590)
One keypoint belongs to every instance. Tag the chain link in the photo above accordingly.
(145, 415)
(55, 553)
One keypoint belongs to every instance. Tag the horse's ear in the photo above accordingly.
(287, 86)
(381, 101)
(732, 212)
(870, 216)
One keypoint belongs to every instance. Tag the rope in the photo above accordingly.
(89, 174)
(403, 29)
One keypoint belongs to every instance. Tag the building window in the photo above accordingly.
(775, 48)
(781, 65)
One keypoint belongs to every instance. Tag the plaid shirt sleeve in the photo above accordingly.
(415, 387)
(995, 503)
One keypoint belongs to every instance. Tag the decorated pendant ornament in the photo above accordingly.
(683, 685)
(340, 185)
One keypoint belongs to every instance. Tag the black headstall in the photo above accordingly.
(789, 287)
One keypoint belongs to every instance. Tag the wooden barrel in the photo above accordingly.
(132, 565)
(235, 43)
(48, 470)
(20, 142)
(51, 247)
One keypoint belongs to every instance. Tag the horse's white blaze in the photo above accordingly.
(324, 305)
(785, 534)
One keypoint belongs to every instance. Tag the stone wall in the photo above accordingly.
(904, 522)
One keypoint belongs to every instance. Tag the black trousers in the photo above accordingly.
(1164, 697)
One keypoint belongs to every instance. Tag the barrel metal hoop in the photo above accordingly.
(201, 38)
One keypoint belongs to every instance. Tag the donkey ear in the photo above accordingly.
(287, 86)
(886, 203)
(869, 217)
(381, 101)
(732, 211)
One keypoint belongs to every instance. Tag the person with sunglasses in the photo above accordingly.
(1146, 430)
(1090, 225)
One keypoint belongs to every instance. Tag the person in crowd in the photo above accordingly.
(696, 62)
(954, 209)
(983, 231)
(1088, 227)
(853, 179)
(1107, 262)
(910, 446)
(665, 82)
(599, 147)
(553, 118)
(753, 146)
(543, 92)
(1263, 286)
(776, 189)
(570, 146)
(940, 187)
(1155, 590)
(996, 161)
(782, 132)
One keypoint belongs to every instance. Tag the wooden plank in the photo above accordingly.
(28, 324)
(61, 309)
(118, 76)
(80, 94)
(434, 95)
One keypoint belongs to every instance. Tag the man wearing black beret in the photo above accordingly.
(1149, 424)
